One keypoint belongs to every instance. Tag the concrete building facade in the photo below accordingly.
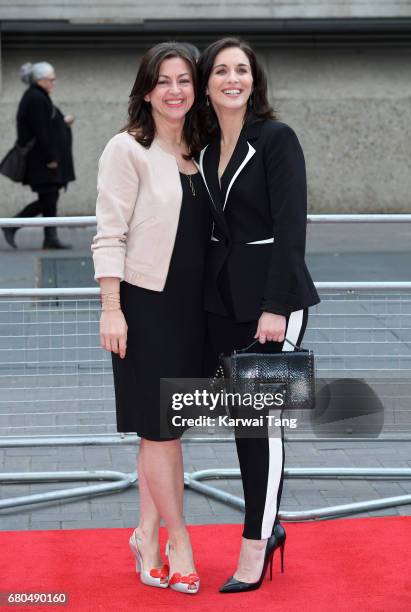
(338, 74)
(130, 10)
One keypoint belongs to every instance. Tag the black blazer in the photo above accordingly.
(37, 117)
(256, 255)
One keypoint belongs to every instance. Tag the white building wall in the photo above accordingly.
(351, 111)
(123, 10)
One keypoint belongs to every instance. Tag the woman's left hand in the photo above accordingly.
(271, 327)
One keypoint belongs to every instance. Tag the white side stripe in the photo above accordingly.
(295, 323)
(275, 445)
(275, 452)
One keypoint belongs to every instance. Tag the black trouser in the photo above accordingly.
(46, 205)
(261, 459)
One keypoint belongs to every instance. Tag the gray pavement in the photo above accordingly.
(38, 398)
(121, 509)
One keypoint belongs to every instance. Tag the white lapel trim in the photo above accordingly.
(201, 170)
(247, 158)
(266, 241)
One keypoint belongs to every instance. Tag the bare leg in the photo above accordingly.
(250, 562)
(149, 523)
(163, 469)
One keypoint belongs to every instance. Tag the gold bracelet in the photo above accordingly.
(107, 298)
(115, 294)
(110, 304)
(107, 307)
(110, 301)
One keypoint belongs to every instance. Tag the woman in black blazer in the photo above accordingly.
(258, 286)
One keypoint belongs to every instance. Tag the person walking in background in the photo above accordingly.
(49, 161)
(257, 284)
(153, 230)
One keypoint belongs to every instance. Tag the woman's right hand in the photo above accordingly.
(52, 165)
(113, 332)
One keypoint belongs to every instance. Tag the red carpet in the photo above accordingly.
(358, 564)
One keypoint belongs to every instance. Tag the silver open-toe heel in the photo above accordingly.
(154, 577)
(184, 584)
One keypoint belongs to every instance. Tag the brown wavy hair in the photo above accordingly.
(258, 106)
(140, 120)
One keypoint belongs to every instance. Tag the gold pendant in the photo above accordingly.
(193, 191)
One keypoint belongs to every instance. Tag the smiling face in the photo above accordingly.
(231, 81)
(173, 95)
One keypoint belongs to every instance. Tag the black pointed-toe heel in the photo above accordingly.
(280, 537)
(237, 586)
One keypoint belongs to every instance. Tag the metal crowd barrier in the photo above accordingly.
(90, 220)
(52, 358)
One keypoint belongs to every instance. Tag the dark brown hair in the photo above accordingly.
(258, 106)
(140, 121)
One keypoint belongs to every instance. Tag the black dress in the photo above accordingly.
(166, 330)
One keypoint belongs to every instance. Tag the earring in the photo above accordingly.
(251, 101)
(207, 100)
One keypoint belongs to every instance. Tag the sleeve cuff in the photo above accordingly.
(273, 308)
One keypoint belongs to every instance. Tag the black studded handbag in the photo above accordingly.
(289, 374)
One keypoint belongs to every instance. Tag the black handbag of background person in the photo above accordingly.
(290, 373)
(13, 165)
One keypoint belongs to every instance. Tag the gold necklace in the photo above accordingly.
(193, 190)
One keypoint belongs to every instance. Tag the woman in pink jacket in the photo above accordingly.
(153, 228)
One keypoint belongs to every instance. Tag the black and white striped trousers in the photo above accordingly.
(261, 459)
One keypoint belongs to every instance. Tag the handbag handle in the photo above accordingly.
(243, 350)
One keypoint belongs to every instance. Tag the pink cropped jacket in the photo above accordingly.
(137, 210)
